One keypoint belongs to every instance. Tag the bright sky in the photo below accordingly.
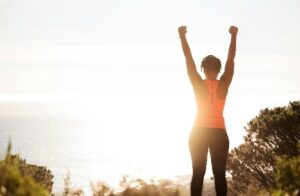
(120, 65)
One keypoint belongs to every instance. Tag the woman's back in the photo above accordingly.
(210, 108)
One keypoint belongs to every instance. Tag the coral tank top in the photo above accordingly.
(210, 109)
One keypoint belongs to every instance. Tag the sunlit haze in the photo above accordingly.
(118, 67)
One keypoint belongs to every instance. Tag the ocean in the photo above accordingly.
(101, 138)
(68, 145)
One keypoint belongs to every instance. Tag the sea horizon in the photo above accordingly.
(55, 142)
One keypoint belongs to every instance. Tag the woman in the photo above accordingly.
(209, 130)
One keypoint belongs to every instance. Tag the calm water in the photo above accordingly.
(101, 138)
(64, 145)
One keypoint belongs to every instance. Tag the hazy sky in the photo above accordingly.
(89, 51)
(74, 46)
(119, 66)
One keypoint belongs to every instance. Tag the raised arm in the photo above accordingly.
(194, 76)
(229, 67)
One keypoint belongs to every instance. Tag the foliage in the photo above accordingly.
(275, 132)
(40, 174)
(68, 191)
(132, 187)
(288, 174)
(101, 189)
(284, 193)
(13, 182)
(138, 187)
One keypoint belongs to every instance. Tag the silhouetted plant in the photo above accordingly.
(288, 174)
(275, 132)
(101, 189)
(68, 190)
(138, 187)
(14, 182)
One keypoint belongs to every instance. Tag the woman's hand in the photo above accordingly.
(182, 31)
(233, 30)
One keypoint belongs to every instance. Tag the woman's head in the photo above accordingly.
(211, 66)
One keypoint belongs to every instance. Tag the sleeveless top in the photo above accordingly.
(210, 109)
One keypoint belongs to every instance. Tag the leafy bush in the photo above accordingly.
(13, 182)
(288, 175)
(40, 174)
(275, 132)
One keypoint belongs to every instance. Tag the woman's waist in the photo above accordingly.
(210, 121)
(210, 114)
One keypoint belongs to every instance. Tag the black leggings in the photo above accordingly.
(216, 140)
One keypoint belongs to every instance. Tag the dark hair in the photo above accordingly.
(211, 63)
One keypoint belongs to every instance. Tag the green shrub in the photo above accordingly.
(288, 175)
(273, 133)
(13, 182)
(40, 174)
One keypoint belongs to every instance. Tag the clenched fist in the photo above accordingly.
(233, 30)
(182, 30)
